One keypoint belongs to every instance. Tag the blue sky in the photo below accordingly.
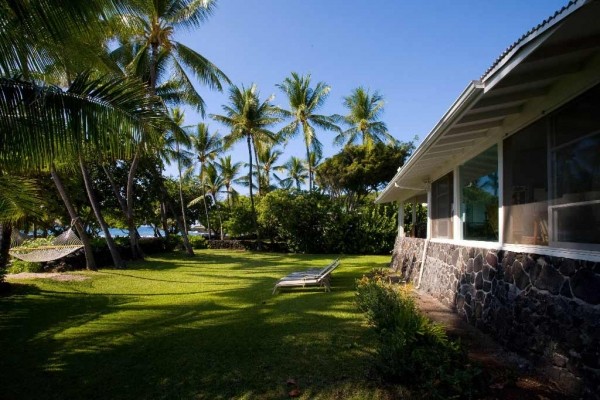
(418, 55)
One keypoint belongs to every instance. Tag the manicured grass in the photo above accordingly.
(192, 328)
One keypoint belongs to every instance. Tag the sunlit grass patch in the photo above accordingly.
(205, 327)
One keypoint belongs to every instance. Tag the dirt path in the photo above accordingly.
(56, 276)
(513, 377)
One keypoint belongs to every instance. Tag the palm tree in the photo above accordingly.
(214, 183)
(50, 35)
(147, 50)
(248, 120)
(267, 156)
(364, 112)
(296, 173)
(228, 172)
(106, 116)
(148, 31)
(207, 147)
(179, 136)
(304, 102)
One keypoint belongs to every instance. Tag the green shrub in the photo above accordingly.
(411, 348)
(18, 266)
(172, 242)
(198, 242)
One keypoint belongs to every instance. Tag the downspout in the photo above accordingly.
(424, 256)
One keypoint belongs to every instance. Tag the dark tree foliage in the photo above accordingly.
(357, 170)
(316, 223)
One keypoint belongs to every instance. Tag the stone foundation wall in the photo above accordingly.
(546, 308)
(406, 257)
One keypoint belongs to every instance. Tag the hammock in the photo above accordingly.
(63, 245)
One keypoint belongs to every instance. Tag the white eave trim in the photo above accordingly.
(472, 92)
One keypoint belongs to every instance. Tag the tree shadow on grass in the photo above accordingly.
(238, 343)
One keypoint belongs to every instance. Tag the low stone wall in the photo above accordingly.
(546, 308)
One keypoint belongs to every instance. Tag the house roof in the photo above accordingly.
(547, 66)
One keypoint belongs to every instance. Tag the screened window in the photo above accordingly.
(479, 196)
(575, 172)
(552, 178)
(442, 206)
(526, 186)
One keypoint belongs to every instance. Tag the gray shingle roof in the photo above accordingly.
(533, 30)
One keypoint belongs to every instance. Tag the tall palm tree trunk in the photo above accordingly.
(6, 232)
(204, 200)
(165, 195)
(181, 190)
(112, 247)
(122, 204)
(163, 216)
(258, 180)
(309, 169)
(136, 251)
(186, 243)
(90, 262)
(254, 222)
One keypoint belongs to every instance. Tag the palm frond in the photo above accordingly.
(205, 71)
(39, 124)
(19, 198)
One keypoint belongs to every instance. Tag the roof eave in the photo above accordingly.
(471, 93)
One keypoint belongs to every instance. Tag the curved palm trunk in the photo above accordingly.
(6, 232)
(163, 216)
(204, 200)
(186, 243)
(181, 190)
(90, 262)
(165, 195)
(136, 251)
(122, 202)
(258, 180)
(254, 222)
(112, 247)
(308, 163)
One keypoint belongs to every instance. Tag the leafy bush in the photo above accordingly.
(198, 242)
(411, 348)
(18, 266)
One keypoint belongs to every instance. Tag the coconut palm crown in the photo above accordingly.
(304, 102)
(148, 32)
(364, 113)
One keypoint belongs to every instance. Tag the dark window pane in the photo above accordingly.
(441, 211)
(479, 196)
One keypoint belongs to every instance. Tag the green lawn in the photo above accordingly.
(192, 328)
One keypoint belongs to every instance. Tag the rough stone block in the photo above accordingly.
(565, 290)
(567, 266)
(479, 281)
(549, 279)
(585, 285)
(492, 259)
(487, 286)
(559, 360)
(521, 278)
(478, 263)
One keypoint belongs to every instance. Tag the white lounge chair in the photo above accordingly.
(310, 277)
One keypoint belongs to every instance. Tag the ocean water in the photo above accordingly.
(144, 231)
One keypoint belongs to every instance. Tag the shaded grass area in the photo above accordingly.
(204, 328)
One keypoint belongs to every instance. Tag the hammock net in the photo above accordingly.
(63, 245)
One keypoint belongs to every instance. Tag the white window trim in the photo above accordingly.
(586, 255)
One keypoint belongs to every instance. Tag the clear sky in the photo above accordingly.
(419, 55)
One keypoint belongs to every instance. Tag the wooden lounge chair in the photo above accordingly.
(310, 277)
